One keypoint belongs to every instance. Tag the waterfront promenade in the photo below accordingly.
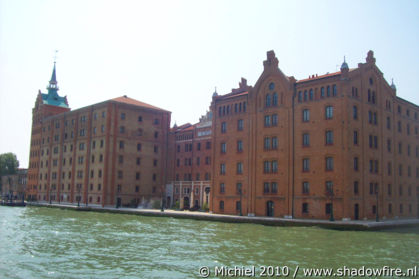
(270, 221)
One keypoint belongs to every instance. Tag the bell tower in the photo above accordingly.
(46, 104)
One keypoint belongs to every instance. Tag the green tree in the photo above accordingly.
(8, 164)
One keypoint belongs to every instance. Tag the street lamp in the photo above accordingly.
(376, 209)
(162, 199)
(240, 192)
(78, 195)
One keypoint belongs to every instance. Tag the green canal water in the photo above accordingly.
(54, 243)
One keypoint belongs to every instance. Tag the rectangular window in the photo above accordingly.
(266, 167)
(306, 115)
(306, 164)
(306, 187)
(329, 137)
(329, 163)
(222, 188)
(274, 142)
(240, 125)
(223, 147)
(305, 208)
(240, 168)
(356, 187)
(222, 169)
(267, 121)
(355, 137)
(306, 139)
(274, 166)
(239, 188)
(355, 112)
(274, 187)
(355, 163)
(329, 112)
(266, 187)
(223, 127)
(329, 188)
(267, 143)
(239, 146)
(275, 120)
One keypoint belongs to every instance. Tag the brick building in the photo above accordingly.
(114, 152)
(14, 185)
(190, 164)
(341, 144)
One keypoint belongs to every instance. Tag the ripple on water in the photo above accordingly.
(52, 243)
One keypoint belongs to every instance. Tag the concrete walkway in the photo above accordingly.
(271, 221)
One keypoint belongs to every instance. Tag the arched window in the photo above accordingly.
(335, 91)
(275, 99)
(322, 92)
(305, 95)
(311, 95)
(268, 100)
(328, 91)
(300, 96)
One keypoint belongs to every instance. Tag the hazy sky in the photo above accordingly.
(172, 54)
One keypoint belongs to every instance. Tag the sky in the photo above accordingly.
(172, 54)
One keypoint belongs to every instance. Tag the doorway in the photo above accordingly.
(356, 213)
(186, 203)
(270, 208)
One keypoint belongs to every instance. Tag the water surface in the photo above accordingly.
(40, 242)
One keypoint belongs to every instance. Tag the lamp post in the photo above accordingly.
(78, 195)
(377, 219)
(240, 192)
(162, 199)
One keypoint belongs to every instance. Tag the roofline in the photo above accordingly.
(104, 103)
(406, 101)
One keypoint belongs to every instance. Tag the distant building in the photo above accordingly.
(110, 153)
(191, 164)
(14, 185)
(341, 143)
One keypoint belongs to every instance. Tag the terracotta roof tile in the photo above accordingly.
(232, 95)
(130, 101)
(319, 77)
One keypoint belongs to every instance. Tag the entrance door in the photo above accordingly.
(118, 202)
(356, 213)
(270, 208)
(186, 203)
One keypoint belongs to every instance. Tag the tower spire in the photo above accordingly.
(53, 87)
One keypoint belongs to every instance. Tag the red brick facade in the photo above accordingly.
(191, 164)
(310, 148)
(109, 153)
